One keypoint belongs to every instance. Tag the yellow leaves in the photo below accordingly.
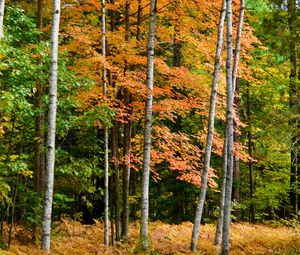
(27, 173)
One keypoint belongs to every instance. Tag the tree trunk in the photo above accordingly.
(236, 191)
(127, 140)
(50, 158)
(139, 18)
(210, 134)
(229, 130)
(177, 37)
(236, 170)
(126, 177)
(250, 164)
(147, 135)
(293, 105)
(106, 195)
(219, 229)
(2, 5)
(115, 147)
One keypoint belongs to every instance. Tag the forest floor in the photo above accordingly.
(72, 238)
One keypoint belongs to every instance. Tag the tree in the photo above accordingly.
(229, 132)
(50, 157)
(294, 105)
(147, 134)
(210, 134)
(219, 228)
(2, 5)
(106, 198)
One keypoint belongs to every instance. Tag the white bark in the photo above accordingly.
(2, 5)
(106, 195)
(229, 131)
(222, 196)
(234, 76)
(238, 45)
(50, 156)
(210, 134)
(147, 135)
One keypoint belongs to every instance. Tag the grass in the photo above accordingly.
(76, 239)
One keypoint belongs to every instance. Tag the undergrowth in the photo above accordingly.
(73, 238)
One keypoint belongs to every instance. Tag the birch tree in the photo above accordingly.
(2, 5)
(50, 156)
(106, 197)
(210, 134)
(229, 131)
(225, 149)
(147, 134)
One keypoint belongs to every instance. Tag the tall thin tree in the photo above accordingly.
(225, 148)
(210, 134)
(229, 130)
(104, 72)
(50, 156)
(127, 138)
(147, 135)
(2, 5)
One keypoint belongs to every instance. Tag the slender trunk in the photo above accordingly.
(147, 135)
(127, 140)
(250, 164)
(238, 45)
(219, 229)
(2, 5)
(115, 146)
(12, 216)
(40, 14)
(210, 134)
(293, 105)
(218, 235)
(106, 195)
(236, 171)
(50, 158)
(229, 130)
(112, 207)
(133, 193)
(139, 17)
(236, 191)
(177, 37)
(126, 177)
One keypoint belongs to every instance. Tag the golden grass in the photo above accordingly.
(72, 238)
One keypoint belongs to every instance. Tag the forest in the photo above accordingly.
(150, 127)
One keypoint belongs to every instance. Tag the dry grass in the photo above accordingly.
(72, 238)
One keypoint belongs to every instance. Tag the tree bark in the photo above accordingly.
(250, 164)
(127, 139)
(293, 106)
(2, 5)
(236, 170)
(210, 134)
(39, 156)
(104, 74)
(50, 156)
(115, 147)
(147, 135)
(219, 229)
(229, 130)
(126, 178)
(236, 190)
